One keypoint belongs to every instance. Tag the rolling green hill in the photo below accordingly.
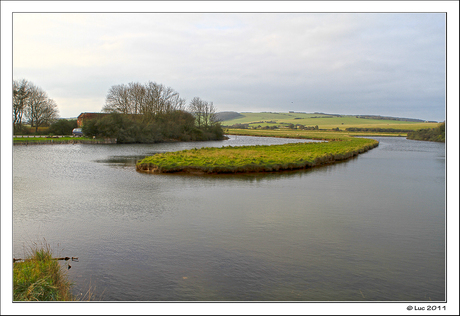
(324, 121)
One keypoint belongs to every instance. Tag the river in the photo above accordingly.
(368, 229)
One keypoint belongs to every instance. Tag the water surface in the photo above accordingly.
(371, 228)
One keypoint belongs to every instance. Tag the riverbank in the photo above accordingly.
(247, 159)
(60, 140)
(437, 134)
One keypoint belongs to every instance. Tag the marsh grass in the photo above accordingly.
(40, 278)
(257, 158)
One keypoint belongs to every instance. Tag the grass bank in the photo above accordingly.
(258, 158)
(30, 140)
(40, 278)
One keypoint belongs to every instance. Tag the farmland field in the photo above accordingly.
(323, 121)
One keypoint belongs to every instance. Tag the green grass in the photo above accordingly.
(28, 140)
(40, 278)
(258, 158)
(323, 121)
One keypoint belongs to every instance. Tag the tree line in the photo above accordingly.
(31, 105)
(136, 112)
(153, 99)
(152, 112)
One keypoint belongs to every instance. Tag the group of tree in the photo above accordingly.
(149, 99)
(153, 113)
(437, 134)
(31, 105)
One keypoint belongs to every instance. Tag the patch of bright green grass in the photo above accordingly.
(258, 158)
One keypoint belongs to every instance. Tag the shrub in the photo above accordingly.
(62, 127)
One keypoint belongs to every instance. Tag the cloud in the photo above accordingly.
(349, 63)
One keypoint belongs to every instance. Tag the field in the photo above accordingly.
(259, 158)
(323, 121)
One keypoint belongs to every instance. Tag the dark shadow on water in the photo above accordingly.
(124, 161)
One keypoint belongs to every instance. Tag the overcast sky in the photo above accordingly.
(346, 63)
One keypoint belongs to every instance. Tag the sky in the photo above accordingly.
(391, 64)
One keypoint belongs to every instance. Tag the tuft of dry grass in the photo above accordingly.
(40, 278)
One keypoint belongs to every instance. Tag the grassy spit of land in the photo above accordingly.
(229, 159)
(40, 278)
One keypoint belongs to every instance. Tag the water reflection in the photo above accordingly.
(124, 161)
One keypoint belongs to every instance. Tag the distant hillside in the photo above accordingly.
(319, 120)
(226, 116)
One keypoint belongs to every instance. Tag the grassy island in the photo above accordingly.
(258, 158)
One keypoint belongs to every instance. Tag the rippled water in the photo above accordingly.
(370, 228)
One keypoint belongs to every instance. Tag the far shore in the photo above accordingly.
(57, 140)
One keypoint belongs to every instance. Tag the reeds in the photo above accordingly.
(40, 278)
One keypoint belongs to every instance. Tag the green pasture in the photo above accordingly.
(323, 121)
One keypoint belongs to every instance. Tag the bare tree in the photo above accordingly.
(136, 96)
(21, 92)
(152, 98)
(196, 108)
(39, 108)
(149, 99)
(118, 100)
(211, 116)
(205, 112)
